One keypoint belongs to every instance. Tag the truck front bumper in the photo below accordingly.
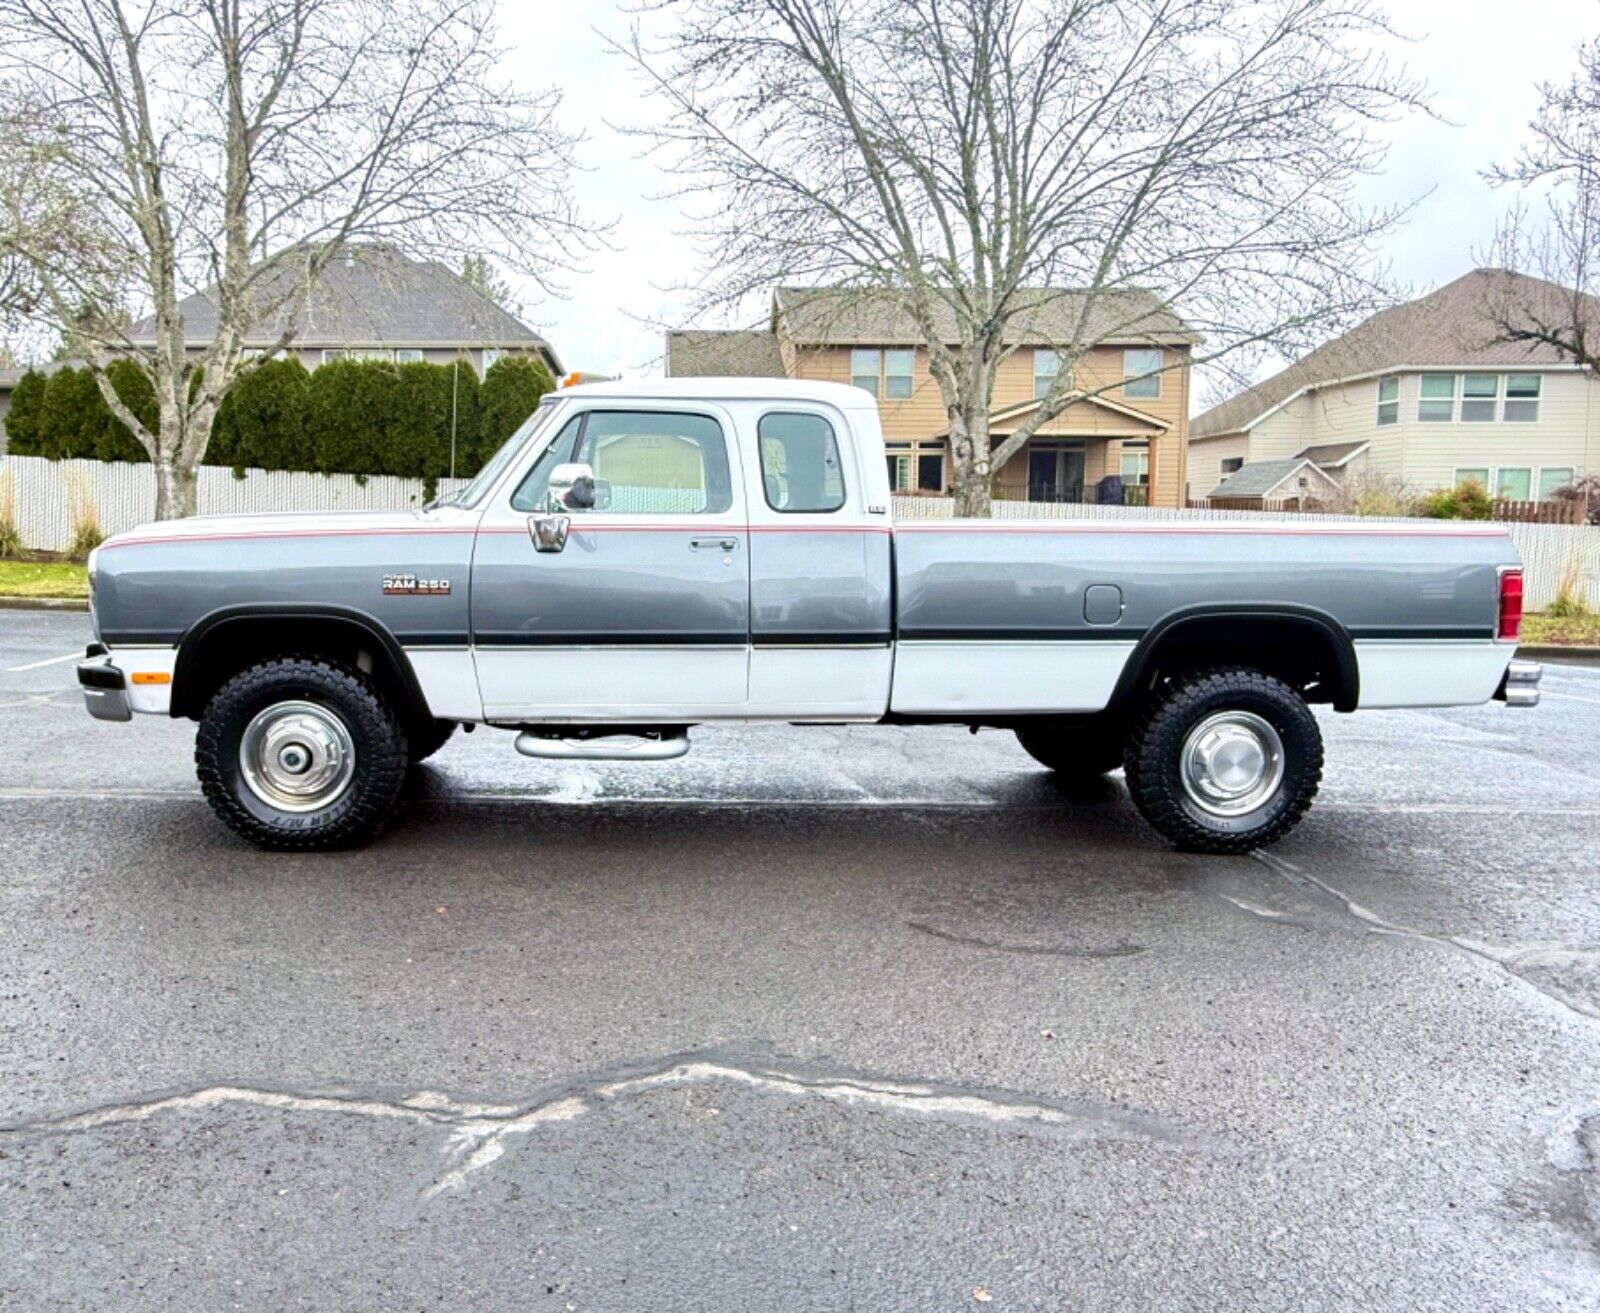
(1520, 687)
(105, 689)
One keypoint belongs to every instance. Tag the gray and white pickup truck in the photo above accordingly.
(643, 557)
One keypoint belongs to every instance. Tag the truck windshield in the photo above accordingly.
(486, 478)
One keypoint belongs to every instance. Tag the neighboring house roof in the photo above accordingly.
(1332, 455)
(839, 316)
(723, 353)
(1261, 478)
(1456, 326)
(372, 295)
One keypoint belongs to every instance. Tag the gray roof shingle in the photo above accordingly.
(1257, 478)
(836, 316)
(372, 295)
(1455, 325)
(723, 353)
(1331, 455)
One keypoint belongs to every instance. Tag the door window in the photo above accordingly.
(644, 462)
(800, 468)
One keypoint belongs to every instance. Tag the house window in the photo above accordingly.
(408, 355)
(1233, 464)
(1437, 403)
(1479, 392)
(899, 470)
(865, 362)
(1388, 401)
(1135, 364)
(930, 471)
(898, 367)
(1046, 367)
(1514, 484)
(1135, 465)
(1522, 398)
(1478, 474)
(1551, 480)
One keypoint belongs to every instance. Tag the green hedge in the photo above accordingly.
(345, 417)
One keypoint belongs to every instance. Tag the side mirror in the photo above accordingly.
(572, 487)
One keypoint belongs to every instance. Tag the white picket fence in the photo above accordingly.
(48, 499)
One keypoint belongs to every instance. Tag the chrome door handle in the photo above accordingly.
(720, 544)
(549, 532)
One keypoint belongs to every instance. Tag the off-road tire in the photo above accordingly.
(365, 806)
(427, 738)
(1080, 756)
(1155, 746)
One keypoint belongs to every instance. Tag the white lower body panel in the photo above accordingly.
(449, 682)
(931, 678)
(1440, 673)
(150, 699)
(613, 683)
(819, 683)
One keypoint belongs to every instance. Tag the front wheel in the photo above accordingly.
(301, 754)
(1225, 761)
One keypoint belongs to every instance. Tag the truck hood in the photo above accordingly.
(291, 524)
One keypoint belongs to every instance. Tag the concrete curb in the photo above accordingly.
(44, 604)
(1571, 655)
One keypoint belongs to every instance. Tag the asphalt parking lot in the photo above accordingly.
(829, 1018)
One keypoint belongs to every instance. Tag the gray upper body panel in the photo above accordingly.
(154, 583)
(1027, 580)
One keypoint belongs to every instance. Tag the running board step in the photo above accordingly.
(612, 747)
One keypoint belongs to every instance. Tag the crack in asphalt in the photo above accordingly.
(1026, 950)
(1516, 960)
(479, 1133)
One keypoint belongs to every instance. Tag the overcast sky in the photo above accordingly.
(1481, 59)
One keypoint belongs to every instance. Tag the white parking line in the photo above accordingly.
(48, 661)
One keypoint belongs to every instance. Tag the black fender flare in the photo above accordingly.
(1347, 672)
(368, 626)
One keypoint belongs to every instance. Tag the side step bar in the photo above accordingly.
(647, 745)
(1521, 686)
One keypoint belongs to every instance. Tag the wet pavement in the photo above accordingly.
(813, 1018)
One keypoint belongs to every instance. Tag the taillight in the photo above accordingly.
(1510, 626)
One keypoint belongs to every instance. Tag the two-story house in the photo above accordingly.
(374, 303)
(1134, 425)
(1428, 392)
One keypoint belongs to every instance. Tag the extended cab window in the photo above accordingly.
(800, 467)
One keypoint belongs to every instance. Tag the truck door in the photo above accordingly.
(820, 563)
(636, 608)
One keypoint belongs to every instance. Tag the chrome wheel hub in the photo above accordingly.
(297, 756)
(1232, 763)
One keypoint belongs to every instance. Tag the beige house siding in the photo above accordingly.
(917, 419)
(1427, 455)
(1205, 460)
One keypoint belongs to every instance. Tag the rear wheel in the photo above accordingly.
(1225, 761)
(301, 754)
(1081, 755)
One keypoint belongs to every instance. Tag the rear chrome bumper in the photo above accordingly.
(1520, 687)
(105, 689)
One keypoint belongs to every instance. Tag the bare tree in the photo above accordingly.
(152, 149)
(1563, 246)
(966, 156)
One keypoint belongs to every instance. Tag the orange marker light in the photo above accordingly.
(151, 677)
(572, 380)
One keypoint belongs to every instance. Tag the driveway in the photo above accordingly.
(822, 1018)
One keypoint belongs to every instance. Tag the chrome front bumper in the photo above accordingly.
(1520, 687)
(105, 689)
